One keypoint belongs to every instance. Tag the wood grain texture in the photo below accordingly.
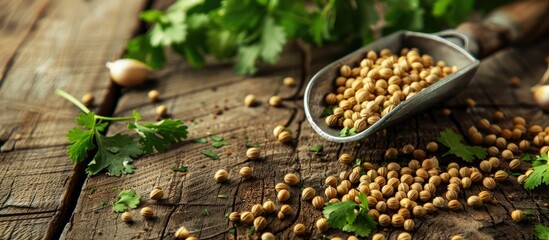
(193, 95)
(67, 48)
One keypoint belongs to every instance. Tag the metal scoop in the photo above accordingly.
(521, 21)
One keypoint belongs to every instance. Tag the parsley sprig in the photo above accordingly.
(452, 140)
(540, 174)
(116, 153)
(126, 199)
(342, 215)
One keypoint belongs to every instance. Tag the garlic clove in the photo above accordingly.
(541, 96)
(128, 72)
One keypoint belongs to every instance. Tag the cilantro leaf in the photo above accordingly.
(340, 214)
(345, 132)
(453, 140)
(115, 154)
(216, 138)
(211, 154)
(528, 212)
(223, 196)
(273, 39)
(247, 56)
(200, 140)
(126, 199)
(316, 148)
(169, 29)
(363, 225)
(540, 174)
(140, 48)
(156, 136)
(205, 212)
(526, 158)
(329, 110)
(220, 144)
(541, 232)
(180, 169)
(81, 141)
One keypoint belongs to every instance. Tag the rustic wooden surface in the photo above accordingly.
(51, 45)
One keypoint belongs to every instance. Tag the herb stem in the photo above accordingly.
(72, 99)
(114, 118)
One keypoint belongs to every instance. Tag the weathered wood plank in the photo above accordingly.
(16, 21)
(66, 49)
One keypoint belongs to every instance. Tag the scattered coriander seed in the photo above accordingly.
(161, 111)
(284, 137)
(322, 224)
(318, 202)
(470, 102)
(275, 101)
(246, 172)
(457, 237)
(432, 147)
(283, 195)
(454, 205)
(277, 130)
(507, 154)
(221, 175)
(515, 82)
(280, 186)
(446, 112)
(501, 176)
(289, 81)
(378, 236)
(345, 158)
(127, 217)
(258, 210)
(269, 206)
(147, 212)
(247, 217)
(191, 238)
(391, 153)
(249, 100)
(517, 216)
(88, 99)
(156, 194)
(489, 183)
(308, 194)
(280, 215)
(268, 236)
(521, 179)
(419, 211)
(404, 236)
(485, 196)
(299, 229)
(515, 164)
(260, 223)
(253, 153)
(498, 115)
(153, 95)
(474, 201)
(384, 220)
(286, 209)
(485, 166)
(182, 233)
(291, 179)
(409, 224)
(234, 217)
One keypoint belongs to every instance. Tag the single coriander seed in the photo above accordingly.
(88, 99)
(156, 194)
(249, 100)
(182, 233)
(275, 101)
(153, 95)
(221, 175)
(127, 217)
(253, 153)
(147, 212)
(246, 172)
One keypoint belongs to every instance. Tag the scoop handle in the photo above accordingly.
(519, 22)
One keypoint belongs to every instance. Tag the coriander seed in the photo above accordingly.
(247, 217)
(345, 158)
(404, 236)
(161, 111)
(283, 195)
(147, 212)
(299, 229)
(127, 217)
(258, 210)
(269, 206)
(474, 201)
(289, 81)
(88, 99)
(318, 202)
(156, 194)
(182, 233)
(234, 217)
(153, 95)
(489, 183)
(409, 224)
(454, 205)
(517, 216)
(221, 175)
(515, 164)
(308, 194)
(253, 153)
(322, 224)
(260, 223)
(284, 137)
(275, 101)
(291, 179)
(280, 186)
(246, 172)
(268, 236)
(277, 130)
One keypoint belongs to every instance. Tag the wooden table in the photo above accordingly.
(50, 44)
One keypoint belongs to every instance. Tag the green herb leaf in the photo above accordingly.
(205, 212)
(180, 169)
(345, 132)
(342, 215)
(528, 212)
(540, 174)
(157, 136)
(115, 154)
(526, 157)
(200, 140)
(232, 230)
(223, 196)
(81, 138)
(329, 110)
(220, 144)
(541, 232)
(211, 154)
(216, 138)
(363, 225)
(316, 148)
(453, 140)
(127, 199)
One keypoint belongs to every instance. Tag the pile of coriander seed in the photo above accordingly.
(378, 84)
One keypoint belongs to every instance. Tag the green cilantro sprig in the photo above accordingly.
(541, 232)
(342, 215)
(126, 199)
(116, 153)
(255, 31)
(540, 174)
(452, 140)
